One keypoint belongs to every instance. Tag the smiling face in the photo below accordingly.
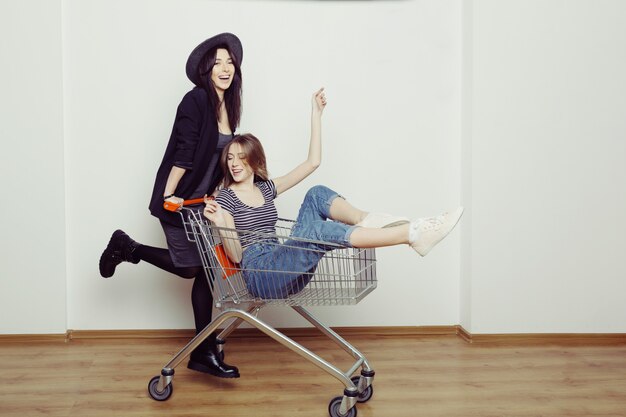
(238, 167)
(223, 71)
(243, 161)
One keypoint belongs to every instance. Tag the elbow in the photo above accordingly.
(315, 164)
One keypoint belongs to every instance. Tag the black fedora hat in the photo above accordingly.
(231, 41)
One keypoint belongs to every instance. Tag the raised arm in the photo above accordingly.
(318, 103)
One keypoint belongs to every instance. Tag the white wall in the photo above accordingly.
(391, 74)
(32, 246)
(544, 167)
(533, 146)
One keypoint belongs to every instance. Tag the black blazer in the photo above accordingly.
(191, 146)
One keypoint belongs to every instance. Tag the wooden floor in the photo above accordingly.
(415, 376)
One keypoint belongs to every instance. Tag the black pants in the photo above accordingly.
(201, 297)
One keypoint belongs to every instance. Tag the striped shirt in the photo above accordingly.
(255, 219)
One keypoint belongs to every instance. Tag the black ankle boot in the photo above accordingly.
(205, 359)
(120, 249)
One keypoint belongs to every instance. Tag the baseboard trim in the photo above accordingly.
(567, 339)
(33, 338)
(394, 331)
(463, 334)
(561, 339)
(130, 334)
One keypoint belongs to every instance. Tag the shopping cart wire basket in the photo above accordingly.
(342, 276)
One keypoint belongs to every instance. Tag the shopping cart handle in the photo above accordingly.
(170, 206)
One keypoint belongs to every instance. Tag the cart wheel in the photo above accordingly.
(365, 395)
(155, 393)
(335, 404)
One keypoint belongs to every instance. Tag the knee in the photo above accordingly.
(318, 190)
(189, 272)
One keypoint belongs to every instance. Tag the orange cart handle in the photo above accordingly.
(169, 206)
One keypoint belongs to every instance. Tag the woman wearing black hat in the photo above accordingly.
(205, 122)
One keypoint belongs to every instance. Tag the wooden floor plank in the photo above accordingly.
(415, 376)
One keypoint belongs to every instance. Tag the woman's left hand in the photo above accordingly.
(319, 101)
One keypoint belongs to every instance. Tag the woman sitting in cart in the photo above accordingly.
(247, 203)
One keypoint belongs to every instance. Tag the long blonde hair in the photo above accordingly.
(253, 153)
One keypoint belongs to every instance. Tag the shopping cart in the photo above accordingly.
(343, 276)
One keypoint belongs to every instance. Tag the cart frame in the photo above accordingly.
(345, 276)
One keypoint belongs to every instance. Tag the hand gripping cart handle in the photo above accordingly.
(343, 276)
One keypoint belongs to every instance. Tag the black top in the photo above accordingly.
(191, 146)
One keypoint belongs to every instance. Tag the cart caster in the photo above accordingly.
(335, 404)
(364, 396)
(155, 393)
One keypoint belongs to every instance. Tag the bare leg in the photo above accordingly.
(386, 230)
(421, 234)
(366, 237)
(344, 212)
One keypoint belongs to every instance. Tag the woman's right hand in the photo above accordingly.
(214, 212)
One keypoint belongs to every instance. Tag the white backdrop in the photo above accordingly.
(32, 224)
(513, 109)
(391, 72)
(543, 245)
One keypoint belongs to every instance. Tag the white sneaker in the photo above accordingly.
(425, 233)
(382, 220)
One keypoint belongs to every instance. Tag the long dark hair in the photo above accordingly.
(232, 96)
(253, 154)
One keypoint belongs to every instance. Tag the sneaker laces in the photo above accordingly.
(425, 224)
(433, 223)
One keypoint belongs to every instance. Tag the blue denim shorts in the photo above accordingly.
(275, 270)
